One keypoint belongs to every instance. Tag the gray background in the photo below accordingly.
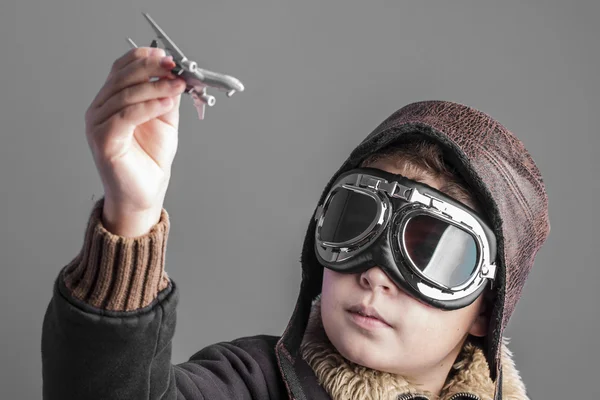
(319, 76)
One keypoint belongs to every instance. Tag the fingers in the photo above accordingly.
(129, 98)
(138, 71)
(139, 113)
(135, 54)
(139, 93)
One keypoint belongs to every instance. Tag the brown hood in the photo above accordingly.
(345, 380)
(505, 181)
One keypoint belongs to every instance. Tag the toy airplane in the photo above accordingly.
(197, 79)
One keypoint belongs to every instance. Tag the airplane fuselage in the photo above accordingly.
(203, 77)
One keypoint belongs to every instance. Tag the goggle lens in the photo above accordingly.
(442, 252)
(347, 216)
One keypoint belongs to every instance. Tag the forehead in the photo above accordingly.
(415, 174)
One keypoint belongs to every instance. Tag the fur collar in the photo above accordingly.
(343, 379)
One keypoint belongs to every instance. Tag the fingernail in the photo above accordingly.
(156, 51)
(166, 60)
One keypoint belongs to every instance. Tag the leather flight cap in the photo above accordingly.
(503, 178)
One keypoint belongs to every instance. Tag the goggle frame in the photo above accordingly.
(414, 202)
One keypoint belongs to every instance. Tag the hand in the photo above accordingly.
(131, 128)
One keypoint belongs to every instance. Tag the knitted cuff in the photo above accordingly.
(117, 273)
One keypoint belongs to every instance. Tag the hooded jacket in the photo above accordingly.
(108, 328)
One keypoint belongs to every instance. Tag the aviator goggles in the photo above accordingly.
(429, 244)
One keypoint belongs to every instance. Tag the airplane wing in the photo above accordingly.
(170, 46)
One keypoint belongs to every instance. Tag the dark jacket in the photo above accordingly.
(93, 354)
(108, 328)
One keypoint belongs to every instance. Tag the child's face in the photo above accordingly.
(418, 338)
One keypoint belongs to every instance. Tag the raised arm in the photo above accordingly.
(108, 328)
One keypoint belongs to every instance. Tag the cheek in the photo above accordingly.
(425, 327)
(335, 295)
(447, 327)
(330, 302)
(328, 283)
(328, 293)
(335, 285)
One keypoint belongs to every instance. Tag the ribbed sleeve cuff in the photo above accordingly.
(117, 273)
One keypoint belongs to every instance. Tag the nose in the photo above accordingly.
(375, 279)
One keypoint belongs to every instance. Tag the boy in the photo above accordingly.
(412, 264)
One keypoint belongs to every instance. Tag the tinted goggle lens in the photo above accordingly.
(347, 216)
(442, 252)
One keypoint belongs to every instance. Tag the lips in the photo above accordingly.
(367, 311)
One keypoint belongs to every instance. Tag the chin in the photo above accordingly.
(367, 353)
